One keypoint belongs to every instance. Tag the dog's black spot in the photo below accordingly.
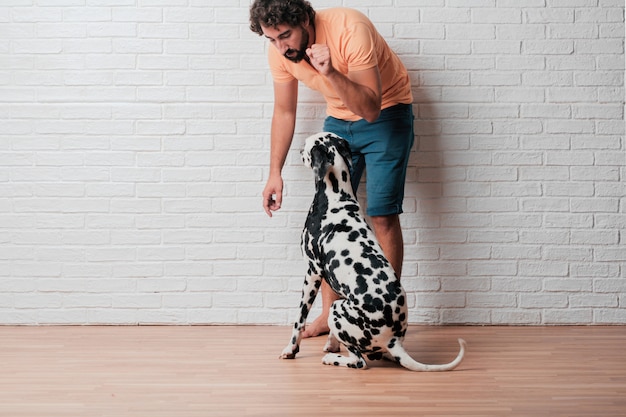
(354, 300)
(346, 338)
(362, 270)
(377, 262)
(304, 312)
(393, 291)
(376, 354)
(334, 182)
(382, 276)
(400, 301)
(362, 286)
(372, 304)
(364, 342)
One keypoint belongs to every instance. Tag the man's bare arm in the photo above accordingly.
(283, 125)
(360, 91)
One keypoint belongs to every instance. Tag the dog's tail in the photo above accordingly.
(408, 362)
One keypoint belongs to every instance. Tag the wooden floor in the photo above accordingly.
(235, 371)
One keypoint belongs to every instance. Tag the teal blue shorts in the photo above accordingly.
(383, 148)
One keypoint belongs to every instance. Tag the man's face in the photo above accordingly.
(292, 42)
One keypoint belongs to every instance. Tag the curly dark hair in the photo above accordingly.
(271, 13)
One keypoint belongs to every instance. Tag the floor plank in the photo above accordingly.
(235, 371)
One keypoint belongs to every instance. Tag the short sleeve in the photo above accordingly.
(360, 47)
(279, 72)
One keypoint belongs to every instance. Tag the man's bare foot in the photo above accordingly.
(319, 327)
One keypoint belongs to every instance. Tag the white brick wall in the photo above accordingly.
(134, 148)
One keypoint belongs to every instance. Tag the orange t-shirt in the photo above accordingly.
(354, 45)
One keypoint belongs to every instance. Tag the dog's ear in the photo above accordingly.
(343, 148)
(319, 160)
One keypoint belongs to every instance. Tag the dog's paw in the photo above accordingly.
(332, 359)
(339, 360)
(289, 353)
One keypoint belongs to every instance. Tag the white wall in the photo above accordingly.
(134, 148)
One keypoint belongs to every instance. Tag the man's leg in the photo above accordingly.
(386, 146)
(389, 234)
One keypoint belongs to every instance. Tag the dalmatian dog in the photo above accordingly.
(370, 318)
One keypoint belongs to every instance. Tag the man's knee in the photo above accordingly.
(385, 223)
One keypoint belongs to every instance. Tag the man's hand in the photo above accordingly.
(273, 194)
(319, 56)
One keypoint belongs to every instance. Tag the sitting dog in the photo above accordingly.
(371, 317)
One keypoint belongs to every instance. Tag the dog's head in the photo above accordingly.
(324, 150)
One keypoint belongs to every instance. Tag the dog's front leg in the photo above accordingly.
(312, 283)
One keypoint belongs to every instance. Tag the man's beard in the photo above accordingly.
(297, 55)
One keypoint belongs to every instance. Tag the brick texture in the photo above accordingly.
(135, 142)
